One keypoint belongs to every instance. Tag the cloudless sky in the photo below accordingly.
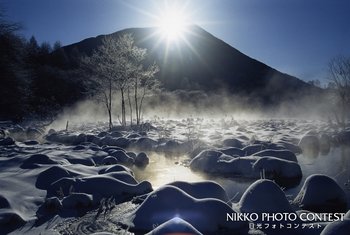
(297, 37)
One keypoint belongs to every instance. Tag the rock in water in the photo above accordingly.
(310, 145)
(264, 196)
(321, 193)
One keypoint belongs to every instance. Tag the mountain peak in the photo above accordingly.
(201, 61)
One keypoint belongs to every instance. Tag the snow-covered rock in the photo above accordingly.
(347, 215)
(4, 203)
(320, 193)
(251, 149)
(205, 161)
(52, 174)
(175, 226)
(109, 160)
(144, 144)
(31, 142)
(33, 133)
(264, 196)
(51, 206)
(202, 189)
(241, 166)
(122, 176)
(232, 151)
(35, 159)
(122, 157)
(77, 201)
(275, 168)
(62, 187)
(141, 160)
(6, 141)
(80, 160)
(290, 146)
(131, 154)
(10, 219)
(337, 228)
(343, 137)
(116, 134)
(115, 168)
(105, 186)
(282, 154)
(168, 202)
(233, 142)
(173, 147)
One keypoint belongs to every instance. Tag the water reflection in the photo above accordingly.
(162, 170)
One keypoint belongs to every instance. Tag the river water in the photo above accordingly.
(162, 170)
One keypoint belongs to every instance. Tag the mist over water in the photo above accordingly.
(198, 104)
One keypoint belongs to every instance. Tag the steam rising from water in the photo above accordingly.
(182, 104)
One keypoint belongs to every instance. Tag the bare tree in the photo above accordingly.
(100, 82)
(147, 83)
(117, 66)
(339, 70)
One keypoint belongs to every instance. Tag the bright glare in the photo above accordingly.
(172, 24)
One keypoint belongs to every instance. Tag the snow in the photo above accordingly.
(106, 186)
(77, 201)
(122, 157)
(175, 226)
(236, 167)
(109, 160)
(52, 174)
(232, 151)
(38, 159)
(50, 183)
(122, 176)
(115, 168)
(206, 215)
(320, 193)
(215, 162)
(205, 161)
(251, 149)
(202, 189)
(281, 154)
(277, 168)
(264, 196)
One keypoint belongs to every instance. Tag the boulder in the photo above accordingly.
(321, 194)
(264, 196)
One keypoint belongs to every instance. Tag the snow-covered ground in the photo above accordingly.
(89, 179)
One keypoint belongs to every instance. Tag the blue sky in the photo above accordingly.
(297, 37)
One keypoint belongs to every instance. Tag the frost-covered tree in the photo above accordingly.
(144, 83)
(339, 70)
(117, 65)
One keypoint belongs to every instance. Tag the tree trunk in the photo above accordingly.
(108, 101)
(123, 108)
(136, 104)
(141, 102)
(110, 119)
(130, 106)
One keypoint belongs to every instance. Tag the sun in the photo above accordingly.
(172, 24)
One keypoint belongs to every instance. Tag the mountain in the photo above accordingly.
(203, 62)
